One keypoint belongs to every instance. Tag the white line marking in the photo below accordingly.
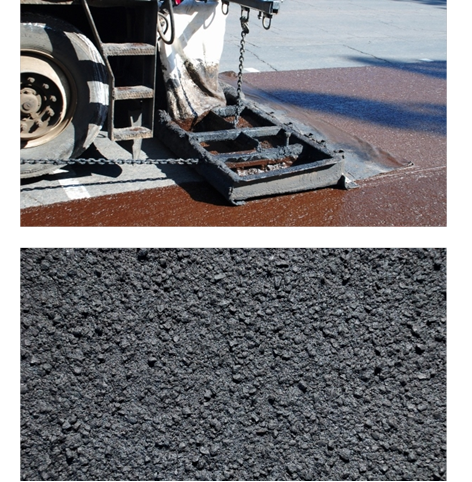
(72, 187)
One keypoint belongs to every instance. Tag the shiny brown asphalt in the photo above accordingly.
(399, 108)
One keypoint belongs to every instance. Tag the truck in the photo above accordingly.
(89, 65)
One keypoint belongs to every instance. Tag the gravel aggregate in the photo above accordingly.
(233, 364)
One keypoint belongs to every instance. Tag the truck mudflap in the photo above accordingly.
(258, 157)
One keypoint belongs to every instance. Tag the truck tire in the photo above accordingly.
(63, 93)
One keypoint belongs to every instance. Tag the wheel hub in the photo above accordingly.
(44, 100)
(30, 102)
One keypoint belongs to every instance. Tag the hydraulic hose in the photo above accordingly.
(167, 8)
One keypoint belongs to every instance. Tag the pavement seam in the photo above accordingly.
(262, 60)
(370, 55)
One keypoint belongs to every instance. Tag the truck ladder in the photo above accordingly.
(141, 120)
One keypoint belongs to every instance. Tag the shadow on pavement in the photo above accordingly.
(436, 68)
(373, 97)
(434, 3)
(422, 117)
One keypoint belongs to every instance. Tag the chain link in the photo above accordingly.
(244, 31)
(103, 161)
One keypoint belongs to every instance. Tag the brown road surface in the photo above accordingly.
(400, 109)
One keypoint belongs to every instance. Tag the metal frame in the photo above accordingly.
(266, 6)
(314, 165)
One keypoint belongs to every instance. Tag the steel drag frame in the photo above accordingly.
(261, 157)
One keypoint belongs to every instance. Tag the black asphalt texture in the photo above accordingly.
(233, 364)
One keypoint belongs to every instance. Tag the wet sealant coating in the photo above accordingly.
(400, 109)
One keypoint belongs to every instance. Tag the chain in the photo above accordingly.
(103, 161)
(244, 31)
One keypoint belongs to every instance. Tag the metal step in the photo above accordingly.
(130, 133)
(133, 92)
(141, 56)
(127, 49)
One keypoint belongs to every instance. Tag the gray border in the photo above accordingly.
(10, 294)
(235, 237)
(459, 449)
(459, 266)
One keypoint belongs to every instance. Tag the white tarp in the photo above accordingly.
(190, 65)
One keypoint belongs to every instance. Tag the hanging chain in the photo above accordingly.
(103, 161)
(244, 31)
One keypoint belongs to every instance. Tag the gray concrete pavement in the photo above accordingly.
(306, 34)
(316, 34)
(81, 182)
